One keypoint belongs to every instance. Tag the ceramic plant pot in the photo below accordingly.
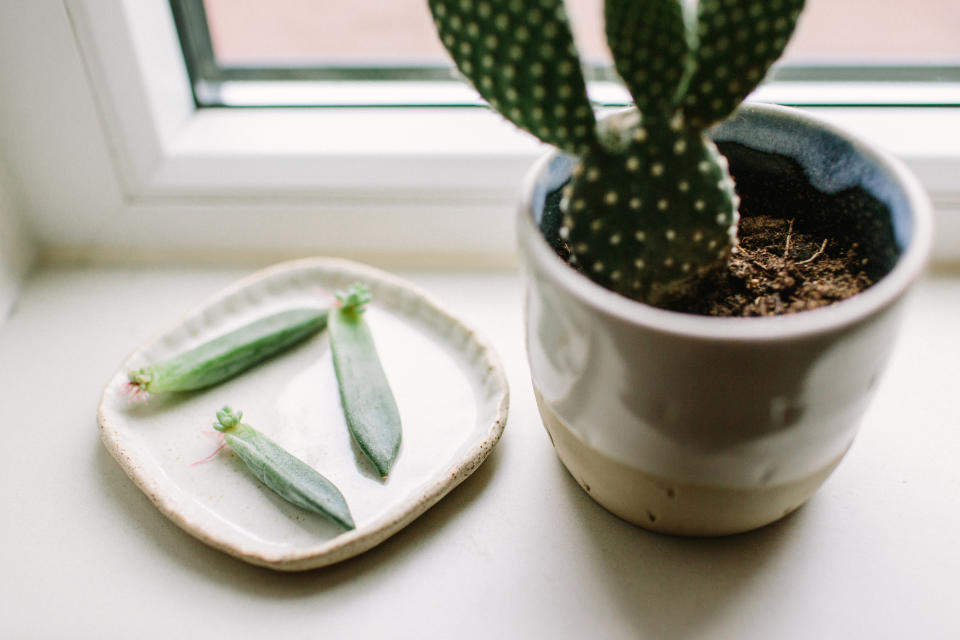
(698, 425)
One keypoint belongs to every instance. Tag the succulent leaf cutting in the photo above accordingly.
(651, 203)
(286, 475)
(368, 404)
(228, 355)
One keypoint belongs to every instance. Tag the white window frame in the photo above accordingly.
(407, 185)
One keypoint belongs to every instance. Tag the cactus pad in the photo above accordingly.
(738, 41)
(639, 226)
(651, 49)
(651, 203)
(520, 56)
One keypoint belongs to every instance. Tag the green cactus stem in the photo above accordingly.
(651, 203)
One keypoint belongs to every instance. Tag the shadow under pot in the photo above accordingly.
(698, 425)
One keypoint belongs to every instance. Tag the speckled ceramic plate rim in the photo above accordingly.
(351, 543)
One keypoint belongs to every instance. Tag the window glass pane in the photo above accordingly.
(386, 53)
(878, 31)
(400, 32)
(322, 32)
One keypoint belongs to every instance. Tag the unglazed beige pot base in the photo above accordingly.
(662, 505)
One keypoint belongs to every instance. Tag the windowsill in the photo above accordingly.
(323, 148)
(519, 538)
(435, 186)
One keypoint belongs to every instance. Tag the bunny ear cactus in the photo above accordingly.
(651, 202)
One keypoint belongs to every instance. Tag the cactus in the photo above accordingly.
(651, 203)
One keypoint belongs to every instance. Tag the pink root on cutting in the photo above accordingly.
(223, 443)
(134, 393)
(329, 297)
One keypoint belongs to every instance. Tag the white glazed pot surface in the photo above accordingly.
(702, 426)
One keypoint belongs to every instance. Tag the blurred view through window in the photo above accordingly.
(284, 40)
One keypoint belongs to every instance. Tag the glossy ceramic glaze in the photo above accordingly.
(448, 382)
(704, 426)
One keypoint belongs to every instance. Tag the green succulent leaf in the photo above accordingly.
(521, 58)
(738, 40)
(230, 354)
(289, 477)
(369, 406)
(651, 48)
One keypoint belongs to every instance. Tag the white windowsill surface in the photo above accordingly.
(517, 551)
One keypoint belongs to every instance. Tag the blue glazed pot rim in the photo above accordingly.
(845, 161)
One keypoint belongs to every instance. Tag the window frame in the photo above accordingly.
(455, 171)
(792, 84)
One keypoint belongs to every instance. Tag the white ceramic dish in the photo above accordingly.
(449, 385)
